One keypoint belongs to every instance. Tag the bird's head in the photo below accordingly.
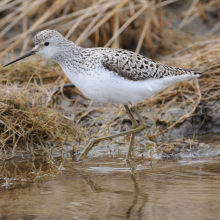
(47, 43)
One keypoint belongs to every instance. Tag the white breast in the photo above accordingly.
(106, 86)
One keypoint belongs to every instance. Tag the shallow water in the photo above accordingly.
(105, 188)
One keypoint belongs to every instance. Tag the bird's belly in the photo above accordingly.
(108, 87)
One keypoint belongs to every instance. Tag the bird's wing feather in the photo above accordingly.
(134, 66)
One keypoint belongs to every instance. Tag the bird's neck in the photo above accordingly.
(70, 54)
(70, 59)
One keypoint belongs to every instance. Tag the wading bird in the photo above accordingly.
(109, 75)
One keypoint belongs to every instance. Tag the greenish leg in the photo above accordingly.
(139, 116)
(134, 125)
(95, 141)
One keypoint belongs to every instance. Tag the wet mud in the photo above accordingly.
(206, 119)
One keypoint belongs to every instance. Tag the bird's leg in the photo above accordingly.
(134, 125)
(141, 120)
(133, 135)
(95, 141)
(133, 121)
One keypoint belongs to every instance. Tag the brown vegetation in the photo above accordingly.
(29, 117)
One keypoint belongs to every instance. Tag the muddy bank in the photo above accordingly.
(206, 119)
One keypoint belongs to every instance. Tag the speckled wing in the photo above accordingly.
(134, 66)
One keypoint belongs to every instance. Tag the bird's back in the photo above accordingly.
(135, 67)
(121, 76)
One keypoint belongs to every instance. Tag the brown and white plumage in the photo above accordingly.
(107, 74)
(136, 67)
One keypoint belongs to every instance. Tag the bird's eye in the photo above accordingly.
(46, 43)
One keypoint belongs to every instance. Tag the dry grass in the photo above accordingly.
(25, 123)
(25, 118)
(30, 119)
(93, 23)
(202, 56)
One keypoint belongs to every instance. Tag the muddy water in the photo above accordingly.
(105, 188)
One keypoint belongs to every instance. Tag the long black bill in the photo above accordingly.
(31, 52)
